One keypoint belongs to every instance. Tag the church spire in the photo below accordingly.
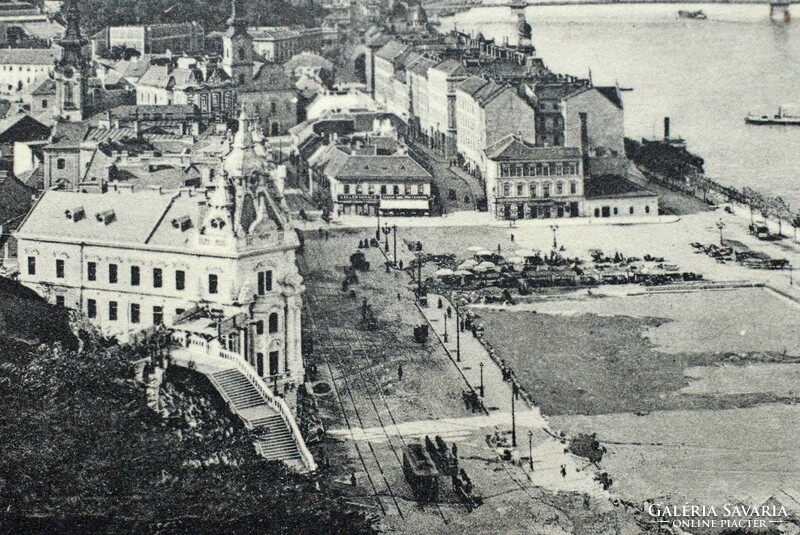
(73, 42)
(237, 21)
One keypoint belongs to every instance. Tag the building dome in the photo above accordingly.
(242, 160)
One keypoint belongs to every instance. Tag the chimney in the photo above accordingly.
(666, 128)
(585, 141)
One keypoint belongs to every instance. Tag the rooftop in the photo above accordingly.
(512, 148)
(613, 186)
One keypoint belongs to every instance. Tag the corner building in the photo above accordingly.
(216, 266)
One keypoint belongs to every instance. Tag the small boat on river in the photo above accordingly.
(783, 117)
(699, 15)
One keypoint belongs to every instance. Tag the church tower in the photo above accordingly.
(72, 70)
(237, 45)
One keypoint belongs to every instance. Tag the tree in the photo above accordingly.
(795, 225)
(80, 448)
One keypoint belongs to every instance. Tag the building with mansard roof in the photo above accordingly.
(216, 265)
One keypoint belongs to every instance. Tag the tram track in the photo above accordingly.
(358, 346)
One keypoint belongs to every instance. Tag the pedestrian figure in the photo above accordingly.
(563, 470)
(440, 305)
(512, 237)
(400, 372)
(398, 296)
(449, 312)
(400, 263)
(353, 479)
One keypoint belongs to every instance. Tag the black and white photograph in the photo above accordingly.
(424, 267)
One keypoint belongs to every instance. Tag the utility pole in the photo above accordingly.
(513, 416)
(394, 227)
(458, 333)
(378, 228)
(530, 447)
(482, 391)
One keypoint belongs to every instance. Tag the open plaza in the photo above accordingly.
(688, 385)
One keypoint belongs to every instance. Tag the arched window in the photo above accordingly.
(560, 188)
(533, 189)
(520, 189)
(506, 189)
(242, 54)
(259, 327)
(273, 323)
(573, 188)
(546, 189)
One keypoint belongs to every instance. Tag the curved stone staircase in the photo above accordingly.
(273, 437)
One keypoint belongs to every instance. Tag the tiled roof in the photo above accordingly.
(344, 166)
(47, 87)
(136, 216)
(451, 66)
(28, 56)
(511, 148)
(391, 50)
(612, 186)
(307, 60)
(15, 198)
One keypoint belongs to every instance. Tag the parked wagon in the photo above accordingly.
(421, 472)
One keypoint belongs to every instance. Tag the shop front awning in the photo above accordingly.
(404, 204)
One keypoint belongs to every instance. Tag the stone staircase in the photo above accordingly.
(273, 437)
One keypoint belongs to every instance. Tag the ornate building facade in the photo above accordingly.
(215, 265)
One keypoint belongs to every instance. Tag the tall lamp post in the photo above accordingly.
(482, 391)
(554, 228)
(378, 228)
(530, 447)
(445, 328)
(720, 226)
(394, 228)
(513, 415)
(458, 333)
(386, 230)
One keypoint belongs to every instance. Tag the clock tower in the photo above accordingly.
(72, 70)
(237, 45)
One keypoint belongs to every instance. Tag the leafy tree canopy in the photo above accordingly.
(81, 453)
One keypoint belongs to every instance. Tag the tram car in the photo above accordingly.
(421, 473)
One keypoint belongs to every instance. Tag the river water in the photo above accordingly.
(707, 75)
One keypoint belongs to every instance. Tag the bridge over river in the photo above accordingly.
(779, 9)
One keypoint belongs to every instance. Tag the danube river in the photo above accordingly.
(707, 75)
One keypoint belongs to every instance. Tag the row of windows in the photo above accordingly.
(19, 68)
(546, 190)
(539, 169)
(606, 211)
(134, 312)
(263, 283)
(408, 189)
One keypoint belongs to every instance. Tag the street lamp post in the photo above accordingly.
(445, 328)
(554, 228)
(530, 447)
(458, 334)
(386, 231)
(394, 227)
(482, 391)
(720, 226)
(378, 228)
(513, 416)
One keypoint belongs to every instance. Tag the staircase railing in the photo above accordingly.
(275, 402)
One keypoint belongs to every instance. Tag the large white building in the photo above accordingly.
(217, 266)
